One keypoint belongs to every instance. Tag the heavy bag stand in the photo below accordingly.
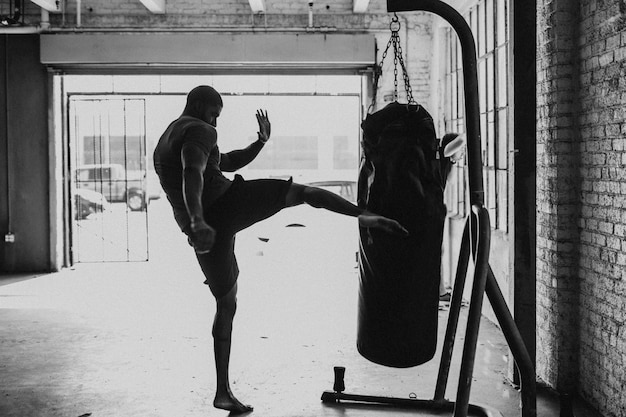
(475, 241)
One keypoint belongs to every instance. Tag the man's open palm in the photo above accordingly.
(265, 127)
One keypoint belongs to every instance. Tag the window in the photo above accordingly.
(345, 156)
(97, 174)
(488, 21)
(297, 152)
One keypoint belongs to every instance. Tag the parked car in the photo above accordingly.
(135, 188)
(87, 202)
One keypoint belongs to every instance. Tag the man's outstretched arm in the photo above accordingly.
(194, 162)
(234, 160)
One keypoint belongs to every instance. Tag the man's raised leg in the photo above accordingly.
(222, 332)
(320, 198)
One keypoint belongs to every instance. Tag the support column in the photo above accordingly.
(558, 193)
(522, 166)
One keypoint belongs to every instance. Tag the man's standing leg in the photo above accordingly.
(222, 333)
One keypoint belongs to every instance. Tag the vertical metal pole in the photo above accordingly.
(7, 132)
(71, 169)
(126, 188)
(453, 315)
(144, 161)
(66, 155)
(475, 310)
(104, 158)
(516, 343)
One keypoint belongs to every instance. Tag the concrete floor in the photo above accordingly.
(134, 339)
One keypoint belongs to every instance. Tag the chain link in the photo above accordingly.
(394, 40)
(405, 75)
(394, 36)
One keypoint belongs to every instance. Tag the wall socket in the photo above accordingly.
(9, 238)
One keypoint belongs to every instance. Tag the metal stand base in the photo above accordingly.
(330, 397)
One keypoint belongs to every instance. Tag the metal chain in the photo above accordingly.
(405, 75)
(394, 36)
(394, 40)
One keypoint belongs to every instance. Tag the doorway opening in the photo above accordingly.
(108, 177)
(115, 207)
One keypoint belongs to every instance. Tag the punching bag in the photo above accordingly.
(399, 276)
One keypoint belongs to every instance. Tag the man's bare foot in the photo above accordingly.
(227, 401)
(375, 221)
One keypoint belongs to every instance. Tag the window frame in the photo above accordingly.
(493, 47)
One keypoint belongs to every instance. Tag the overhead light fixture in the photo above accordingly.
(49, 5)
(155, 6)
(360, 6)
(257, 6)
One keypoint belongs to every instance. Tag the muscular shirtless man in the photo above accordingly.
(210, 209)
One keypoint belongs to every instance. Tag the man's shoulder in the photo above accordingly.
(196, 132)
(193, 122)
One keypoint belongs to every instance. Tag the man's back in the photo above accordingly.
(169, 168)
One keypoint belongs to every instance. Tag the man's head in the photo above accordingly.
(205, 103)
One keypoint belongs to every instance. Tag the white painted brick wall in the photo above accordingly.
(599, 269)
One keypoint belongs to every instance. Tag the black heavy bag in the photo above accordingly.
(399, 276)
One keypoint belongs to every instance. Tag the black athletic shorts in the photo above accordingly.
(242, 205)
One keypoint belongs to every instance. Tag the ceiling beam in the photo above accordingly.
(49, 5)
(155, 6)
(257, 6)
(360, 6)
(219, 52)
